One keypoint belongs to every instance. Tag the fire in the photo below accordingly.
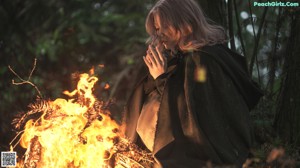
(77, 132)
(106, 86)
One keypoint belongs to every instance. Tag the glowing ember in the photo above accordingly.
(106, 86)
(70, 133)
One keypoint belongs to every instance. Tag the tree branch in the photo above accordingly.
(255, 50)
(271, 58)
(230, 26)
(239, 29)
(23, 81)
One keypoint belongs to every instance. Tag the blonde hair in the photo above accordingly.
(187, 18)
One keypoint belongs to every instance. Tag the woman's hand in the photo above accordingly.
(155, 61)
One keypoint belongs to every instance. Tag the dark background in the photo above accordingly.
(72, 36)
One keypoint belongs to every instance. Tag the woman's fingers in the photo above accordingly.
(152, 58)
(155, 62)
(155, 55)
(162, 58)
(148, 57)
(147, 62)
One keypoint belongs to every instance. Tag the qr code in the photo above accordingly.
(8, 159)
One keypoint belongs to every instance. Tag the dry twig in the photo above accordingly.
(23, 81)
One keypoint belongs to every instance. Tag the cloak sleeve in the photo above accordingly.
(159, 83)
(220, 110)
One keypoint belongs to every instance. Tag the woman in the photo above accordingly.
(193, 105)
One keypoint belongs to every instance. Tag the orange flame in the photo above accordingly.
(107, 86)
(67, 136)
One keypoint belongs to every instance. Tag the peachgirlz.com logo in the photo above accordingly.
(285, 4)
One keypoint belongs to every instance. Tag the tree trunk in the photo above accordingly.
(287, 119)
(271, 59)
(230, 25)
(215, 10)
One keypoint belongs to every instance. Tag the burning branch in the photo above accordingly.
(77, 132)
(23, 81)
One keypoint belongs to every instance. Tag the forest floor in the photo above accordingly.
(270, 151)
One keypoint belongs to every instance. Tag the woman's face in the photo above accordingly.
(167, 35)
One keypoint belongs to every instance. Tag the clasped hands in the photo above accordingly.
(155, 61)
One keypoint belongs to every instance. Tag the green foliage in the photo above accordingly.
(66, 37)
